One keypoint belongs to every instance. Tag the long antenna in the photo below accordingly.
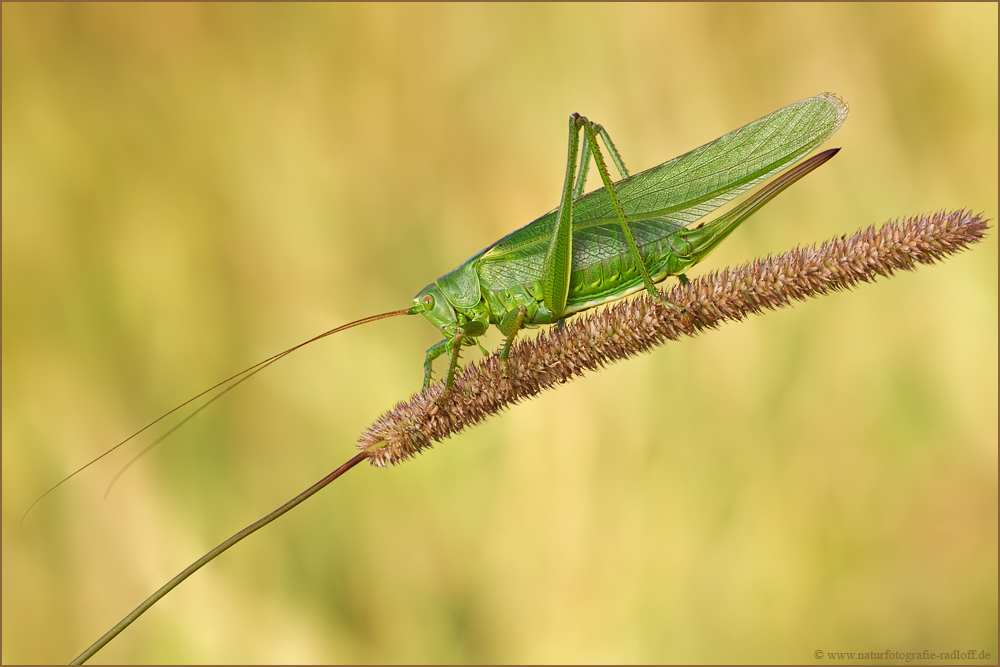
(243, 375)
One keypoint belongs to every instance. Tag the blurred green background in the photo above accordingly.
(188, 189)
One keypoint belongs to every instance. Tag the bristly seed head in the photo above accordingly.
(631, 327)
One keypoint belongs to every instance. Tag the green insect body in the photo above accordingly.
(598, 247)
(626, 236)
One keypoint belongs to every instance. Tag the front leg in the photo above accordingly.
(433, 352)
(465, 334)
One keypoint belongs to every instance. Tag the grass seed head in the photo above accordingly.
(631, 327)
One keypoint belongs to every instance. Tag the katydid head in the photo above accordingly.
(435, 306)
(448, 317)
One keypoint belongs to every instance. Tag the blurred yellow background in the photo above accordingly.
(189, 188)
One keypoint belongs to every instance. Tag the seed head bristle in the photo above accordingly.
(631, 327)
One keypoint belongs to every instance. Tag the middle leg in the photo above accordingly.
(510, 325)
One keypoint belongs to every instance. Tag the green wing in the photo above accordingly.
(700, 181)
(671, 195)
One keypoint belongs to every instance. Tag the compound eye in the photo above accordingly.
(428, 301)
